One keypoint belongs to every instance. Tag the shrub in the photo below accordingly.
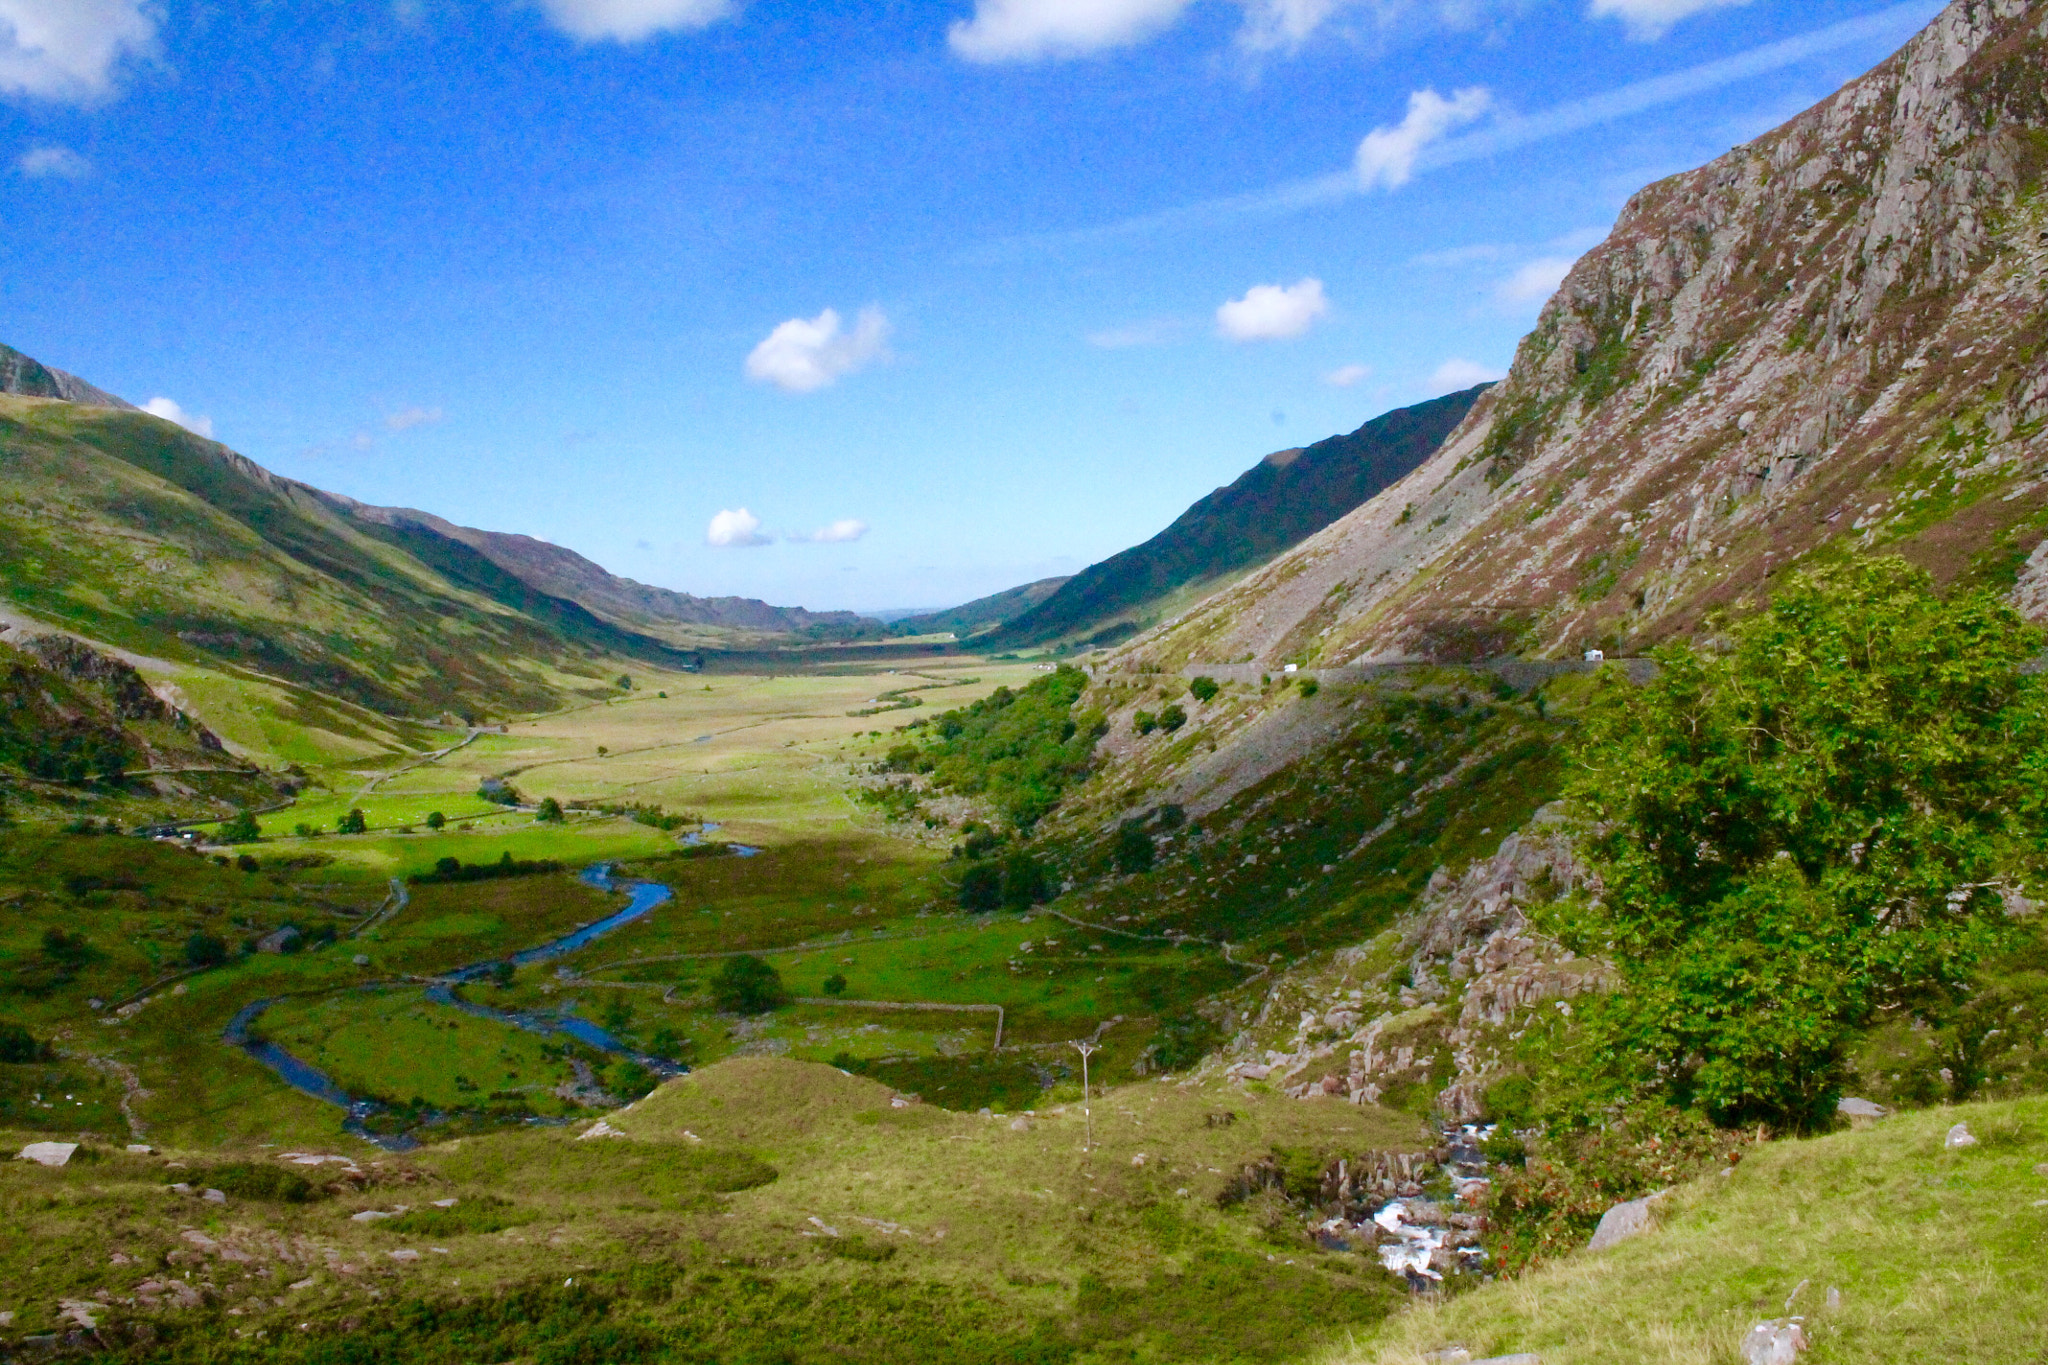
(550, 812)
(241, 828)
(247, 863)
(259, 1180)
(1144, 722)
(1172, 718)
(355, 822)
(981, 887)
(1203, 689)
(453, 870)
(205, 950)
(1184, 1038)
(1308, 688)
(436, 821)
(747, 985)
(1134, 851)
(835, 984)
(18, 1045)
(1025, 883)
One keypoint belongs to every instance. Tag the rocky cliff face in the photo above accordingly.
(1836, 335)
(31, 378)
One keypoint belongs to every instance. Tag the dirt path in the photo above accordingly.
(422, 761)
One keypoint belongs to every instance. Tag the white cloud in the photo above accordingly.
(838, 533)
(1649, 20)
(735, 529)
(67, 50)
(47, 163)
(805, 354)
(1387, 155)
(1154, 333)
(1270, 24)
(631, 21)
(170, 411)
(1534, 282)
(405, 419)
(1026, 30)
(1345, 376)
(1457, 373)
(1273, 312)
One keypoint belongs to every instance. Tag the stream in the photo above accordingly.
(301, 1076)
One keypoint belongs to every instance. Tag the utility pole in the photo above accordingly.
(1087, 1049)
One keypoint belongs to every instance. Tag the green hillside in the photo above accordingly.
(983, 612)
(127, 529)
(1277, 503)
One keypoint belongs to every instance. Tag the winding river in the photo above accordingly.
(641, 898)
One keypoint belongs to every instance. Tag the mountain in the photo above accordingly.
(565, 574)
(29, 377)
(1827, 341)
(982, 612)
(1277, 503)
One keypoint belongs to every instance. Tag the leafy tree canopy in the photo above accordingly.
(747, 985)
(1021, 749)
(1795, 834)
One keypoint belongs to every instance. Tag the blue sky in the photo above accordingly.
(840, 305)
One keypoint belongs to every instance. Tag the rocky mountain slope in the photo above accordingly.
(1828, 340)
(31, 378)
(1285, 497)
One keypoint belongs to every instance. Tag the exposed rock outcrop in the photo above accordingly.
(1830, 333)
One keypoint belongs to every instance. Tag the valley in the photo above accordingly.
(1553, 875)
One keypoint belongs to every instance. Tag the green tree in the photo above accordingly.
(747, 985)
(436, 821)
(205, 950)
(1203, 689)
(672, 1046)
(1798, 833)
(1172, 718)
(241, 828)
(1144, 722)
(355, 822)
(1133, 851)
(835, 984)
(550, 812)
(981, 887)
(630, 1080)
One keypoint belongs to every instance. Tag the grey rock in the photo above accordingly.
(214, 1197)
(1624, 1221)
(1959, 1136)
(1852, 1108)
(1773, 1343)
(48, 1153)
(1519, 1358)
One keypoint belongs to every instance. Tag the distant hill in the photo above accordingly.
(982, 612)
(1277, 503)
(635, 606)
(32, 379)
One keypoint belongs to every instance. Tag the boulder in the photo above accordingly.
(1774, 1343)
(1624, 1221)
(1959, 1136)
(48, 1153)
(1860, 1111)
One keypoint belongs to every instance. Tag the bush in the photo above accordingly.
(1022, 750)
(1172, 718)
(1203, 689)
(1184, 1038)
(205, 950)
(259, 1180)
(355, 822)
(835, 984)
(17, 1045)
(630, 1080)
(1133, 851)
(1144, 722)
(453, 870)
(550, 812)
(981, 887)
(1308, 688)
(436, 821)
(469, 1216)
(1025, 883)
(241, 829)
(747, 985)
(247, 863)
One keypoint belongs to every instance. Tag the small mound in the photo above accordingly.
(753, 1100)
